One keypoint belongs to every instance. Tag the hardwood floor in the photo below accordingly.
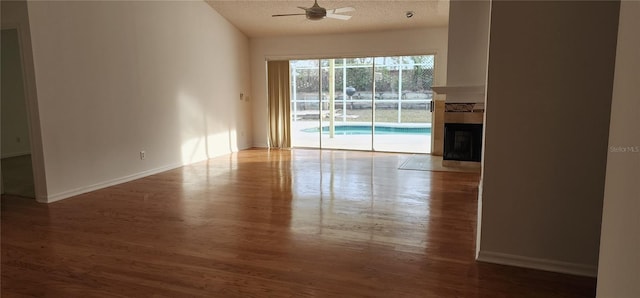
(266, 224)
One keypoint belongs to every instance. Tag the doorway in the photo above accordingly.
(369, 103)
(16, 171)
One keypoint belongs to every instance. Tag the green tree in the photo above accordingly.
(359, 78)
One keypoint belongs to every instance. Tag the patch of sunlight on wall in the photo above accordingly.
(193, 151)
(202, 135)
(218, 143)
(193, 125)
(233, 140)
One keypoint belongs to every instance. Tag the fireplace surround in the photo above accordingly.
(463, 134)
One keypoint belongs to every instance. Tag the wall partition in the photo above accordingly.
(371, 103)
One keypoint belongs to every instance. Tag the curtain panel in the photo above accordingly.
(279, 104)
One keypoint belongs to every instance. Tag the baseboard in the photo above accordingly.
(90, 188)
(479, 219)
(536, 263)
(15, 154)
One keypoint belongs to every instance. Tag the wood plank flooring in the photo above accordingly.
(264, 223)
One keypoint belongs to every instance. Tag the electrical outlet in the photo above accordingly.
(142, 155)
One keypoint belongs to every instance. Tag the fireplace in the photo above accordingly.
(462, 141)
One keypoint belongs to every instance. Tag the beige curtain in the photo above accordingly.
(279, 104)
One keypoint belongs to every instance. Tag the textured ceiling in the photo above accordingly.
(253, 17)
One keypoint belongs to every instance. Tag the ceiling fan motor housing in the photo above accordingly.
(316, 13)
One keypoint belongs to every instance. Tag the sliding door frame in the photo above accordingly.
(373, 85)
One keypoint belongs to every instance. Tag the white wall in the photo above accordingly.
(619, 266)
(468, 46)
(550, 80)
(405, 42)
(15, 131)
(115, 78)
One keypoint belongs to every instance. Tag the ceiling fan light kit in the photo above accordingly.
(316, 13)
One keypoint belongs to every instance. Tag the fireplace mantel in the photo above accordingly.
(459, 89)
(461, 93)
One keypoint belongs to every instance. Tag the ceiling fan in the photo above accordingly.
(316, 13)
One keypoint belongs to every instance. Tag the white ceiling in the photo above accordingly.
(253, 17)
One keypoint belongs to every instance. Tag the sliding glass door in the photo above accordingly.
(380, 103)
(305, 103)
(347, 120)
(402, 101)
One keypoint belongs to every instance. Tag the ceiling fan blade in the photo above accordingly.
(288, 14)
(338, 16)
(303, 8)
(341, 10)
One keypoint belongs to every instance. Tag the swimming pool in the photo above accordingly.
(380, 130)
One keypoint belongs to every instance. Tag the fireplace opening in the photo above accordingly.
(462, 141)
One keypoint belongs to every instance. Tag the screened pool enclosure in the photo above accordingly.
(374, 103)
